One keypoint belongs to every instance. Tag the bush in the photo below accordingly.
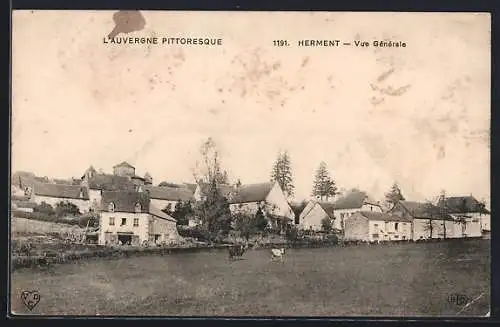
(44, 209)
(66, 208)
(194, 232)
(44, 217)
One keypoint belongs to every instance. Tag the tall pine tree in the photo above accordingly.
(394, 196)
(323, 185)
(282, 173)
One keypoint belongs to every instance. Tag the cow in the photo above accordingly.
(278, 254)
(237, 251)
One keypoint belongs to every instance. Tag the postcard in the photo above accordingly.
(257, 164)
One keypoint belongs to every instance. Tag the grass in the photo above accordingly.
(395, 280)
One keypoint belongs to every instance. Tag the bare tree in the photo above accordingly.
(209, 169)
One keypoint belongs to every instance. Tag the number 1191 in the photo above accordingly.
(280, 43)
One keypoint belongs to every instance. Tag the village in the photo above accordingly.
(133, 210)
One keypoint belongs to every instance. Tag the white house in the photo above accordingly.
(55, 193)
(374, 226)
(351, 202)
(129, 218)
(267, 196)
(428, 220)
(168, 196)
(96, 183)
(474, 218)
(313, 214)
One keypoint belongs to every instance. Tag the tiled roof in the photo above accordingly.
(251, 193)
(170, 193)
(371, 215)
(107, 182)
(160, 214)
(354, 199)
(463, 204)
(61, 191)
(328, 207)
(125, 201)
(424, 210)
(124, 164)
(224, 189)
(191, 186)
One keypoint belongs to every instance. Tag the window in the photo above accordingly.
(138, 207)
(371, 208)
(111, 207)
(111, 221)
(124, 222)
(375, 225)
(396, 226)
(136, 222)
(396, 236)
(341, 215)
(374, 235)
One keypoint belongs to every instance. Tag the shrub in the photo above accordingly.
(66, 208)
(45, 209)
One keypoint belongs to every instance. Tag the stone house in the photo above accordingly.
(372, 226)
(313, 214)
(128, 217)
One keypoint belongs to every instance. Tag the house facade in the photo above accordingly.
(352, 202)
(428, 221)
(163, 197)
(371, 226)
(55, 193)
(313, 214)
(474, 219)
(269, 197)
(129, 218)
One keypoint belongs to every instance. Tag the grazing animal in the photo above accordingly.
(278, 254)
(237, 251)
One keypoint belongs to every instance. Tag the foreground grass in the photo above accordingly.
(403, 279)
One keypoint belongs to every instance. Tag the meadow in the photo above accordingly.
(414, 279)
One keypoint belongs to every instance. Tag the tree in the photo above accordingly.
(282, 173)
(214, 212)
(168, 184)
(182, 212)
(209, 170)
(260, 220)
(44, 208)
(326, 224)
(65, 208)
(323, 185)
(394, 195)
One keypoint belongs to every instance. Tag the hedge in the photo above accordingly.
(78, 221)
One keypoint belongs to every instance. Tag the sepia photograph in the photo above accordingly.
(250, 164)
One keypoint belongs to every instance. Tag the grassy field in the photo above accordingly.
(400, 280)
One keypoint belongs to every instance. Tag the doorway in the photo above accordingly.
(125, 239)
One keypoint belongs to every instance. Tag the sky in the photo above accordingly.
(418, 115)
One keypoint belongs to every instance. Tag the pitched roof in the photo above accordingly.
(328, 207)
(124, 164)
(251, 193)
(462, 204)
(107, 182)
(224, 189)
(60, 191)
(160, 214)
(380, 216)
(125, 201)
(424, 210)
(191, 186)
(169, 193)
(354, 199)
